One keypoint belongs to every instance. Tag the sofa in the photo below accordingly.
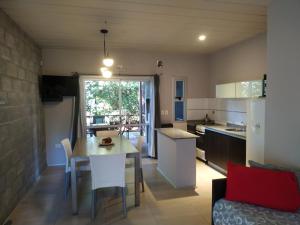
(226, 212)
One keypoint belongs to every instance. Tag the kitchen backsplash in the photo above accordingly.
(218, 109)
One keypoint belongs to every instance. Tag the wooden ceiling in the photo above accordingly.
(158, 25)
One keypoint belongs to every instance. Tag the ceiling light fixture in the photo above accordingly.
(202, 37)
(107, 61)
(103, 68)
(105, 72)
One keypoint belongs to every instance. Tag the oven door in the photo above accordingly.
(200, 140)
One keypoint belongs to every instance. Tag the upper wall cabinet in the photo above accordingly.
(256, 88)
(225, 90)
(245, 89)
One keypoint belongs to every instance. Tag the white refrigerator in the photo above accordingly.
(255, 135)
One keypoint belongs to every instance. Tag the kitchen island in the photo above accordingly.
(176, 156)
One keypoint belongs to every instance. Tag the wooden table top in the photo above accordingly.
(87, 146)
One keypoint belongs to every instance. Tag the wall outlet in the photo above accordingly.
(57, 145)
(166, 112)
(162, 112)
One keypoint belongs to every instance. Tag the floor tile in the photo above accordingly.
(161, 204)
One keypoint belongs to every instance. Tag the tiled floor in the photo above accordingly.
(160, 203)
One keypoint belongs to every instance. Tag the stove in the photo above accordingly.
(197, 128)
(200, 128)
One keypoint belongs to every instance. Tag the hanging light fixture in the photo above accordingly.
(107, 61)
(105, 72)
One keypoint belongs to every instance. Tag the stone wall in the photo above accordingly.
(22, 152)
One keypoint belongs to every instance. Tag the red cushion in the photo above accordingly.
(263, 187)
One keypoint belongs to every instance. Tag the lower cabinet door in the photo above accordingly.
(221, 148)
(217, 147)
(237, 151)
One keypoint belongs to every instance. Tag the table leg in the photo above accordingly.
(137, 179)
(74, 186)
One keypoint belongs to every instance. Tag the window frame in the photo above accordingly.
(183, 99)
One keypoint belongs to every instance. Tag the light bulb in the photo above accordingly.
(202, 37)
(107, 73)
(102, 69)
(108, 62)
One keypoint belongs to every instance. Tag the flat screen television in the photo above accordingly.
(54, 88)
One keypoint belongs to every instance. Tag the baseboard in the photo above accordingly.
(219, 169)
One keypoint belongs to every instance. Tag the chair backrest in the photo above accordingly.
(108, 170)
(107, 133)
(140, 143)
(180, 125)
(68, 152)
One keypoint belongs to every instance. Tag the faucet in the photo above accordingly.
(243, 125)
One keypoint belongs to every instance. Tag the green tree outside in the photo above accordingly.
(102, 98)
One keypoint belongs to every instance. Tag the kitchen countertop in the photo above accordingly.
(175, 133)
(222, 129)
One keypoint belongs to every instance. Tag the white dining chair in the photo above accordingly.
(107, 171)
(107, 133)
(81, 167)
(139, 146)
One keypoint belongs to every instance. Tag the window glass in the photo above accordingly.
(179, 89)
(179, 110)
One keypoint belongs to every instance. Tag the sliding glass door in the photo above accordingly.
(117, 104)
(102, 105)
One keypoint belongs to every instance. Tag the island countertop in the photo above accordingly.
(175, 133)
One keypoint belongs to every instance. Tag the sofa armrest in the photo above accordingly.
(218, 189)
(218, 192)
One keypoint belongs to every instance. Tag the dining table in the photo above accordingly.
(86, 146)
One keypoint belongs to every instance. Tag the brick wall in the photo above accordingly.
(22, 152)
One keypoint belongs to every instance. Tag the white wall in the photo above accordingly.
(57, 128)
(243, 61)
(194, 67)
(283, 95)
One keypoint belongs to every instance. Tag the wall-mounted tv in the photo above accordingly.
(54, 88)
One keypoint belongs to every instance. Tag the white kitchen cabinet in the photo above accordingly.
(243, 89)
(249, 89)
(225, 90)
(256, 88)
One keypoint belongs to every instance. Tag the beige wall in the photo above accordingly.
(194, 67)
(240, 62)
(282, 105)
